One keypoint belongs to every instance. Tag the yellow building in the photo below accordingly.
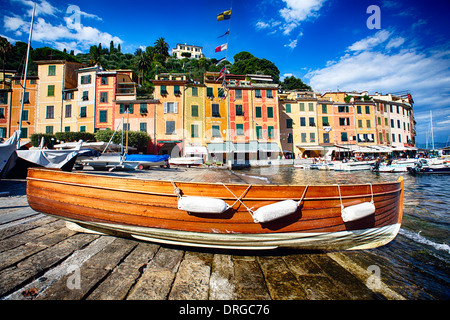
(55, 78)
(194, 120)
(217, 136)
(299, 124)
(325, 122)
(169, 126)
(86, 100)
(365, 123)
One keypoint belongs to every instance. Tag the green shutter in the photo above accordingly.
(271, 132)
(103, 115)
(51, 90)
(194, 111)
(258, 112)
(269, 112)
(259, 134)
(239, 129)
(51, 70)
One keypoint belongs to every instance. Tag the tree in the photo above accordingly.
(246, 63)
(5, 48)
(243, 55)
(143, 63)
(162, 47)
(293, 83)
(95, 54)
(111, 47)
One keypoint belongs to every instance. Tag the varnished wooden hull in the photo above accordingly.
(148, 209)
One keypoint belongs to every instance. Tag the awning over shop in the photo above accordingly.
(269, 147)
(346, 148)
(195, 150)
(404, 148)
(225, 147)
(251, 147)
(311, 148)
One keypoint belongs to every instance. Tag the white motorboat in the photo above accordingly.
(186, 161)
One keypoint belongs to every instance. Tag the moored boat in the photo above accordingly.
(353, 165)
(394, 166)
(432, 167)
(237, 216)
(186, 161)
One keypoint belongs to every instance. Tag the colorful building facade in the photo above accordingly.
(29, 106)
(169, 111)
(56, 77)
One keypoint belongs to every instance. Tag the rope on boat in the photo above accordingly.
(239, 199)
(340, 197)
(176, 190)
(303, 196)
(358, 211)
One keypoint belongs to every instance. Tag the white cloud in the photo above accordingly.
(300, 10)
(42, 8)
(291, 44)
(262, 25)
(59, 31)
(297, 11)
(395, 43)
(13, 23)
(426, 75)
(370, 42)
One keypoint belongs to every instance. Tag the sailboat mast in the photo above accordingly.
(26, 71)
(432, 134)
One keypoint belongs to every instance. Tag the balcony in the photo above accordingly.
(126, 88)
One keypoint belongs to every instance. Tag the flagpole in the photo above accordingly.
(24, 87)
(228, 39)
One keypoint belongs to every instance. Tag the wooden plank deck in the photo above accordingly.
(43, 260)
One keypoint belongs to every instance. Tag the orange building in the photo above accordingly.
(29, 106)
(5, 106)
(253, 117)
(104, 99)
(169, 111)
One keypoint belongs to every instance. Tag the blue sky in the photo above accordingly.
(324, 42)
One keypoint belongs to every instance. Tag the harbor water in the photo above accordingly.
(417, 261)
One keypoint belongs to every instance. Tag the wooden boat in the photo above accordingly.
(149, 210)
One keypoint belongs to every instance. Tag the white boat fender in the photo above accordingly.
(357, 211)
(277, 210)
(202, 205)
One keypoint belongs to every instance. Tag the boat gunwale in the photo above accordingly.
(209, 183)
(225, 198)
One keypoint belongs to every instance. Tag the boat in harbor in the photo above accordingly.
(8, 153)
(394, 166)
(128, 162)
(20, 160)
(186, 161)
(430, 166)
(353, 165)
(217, 215)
